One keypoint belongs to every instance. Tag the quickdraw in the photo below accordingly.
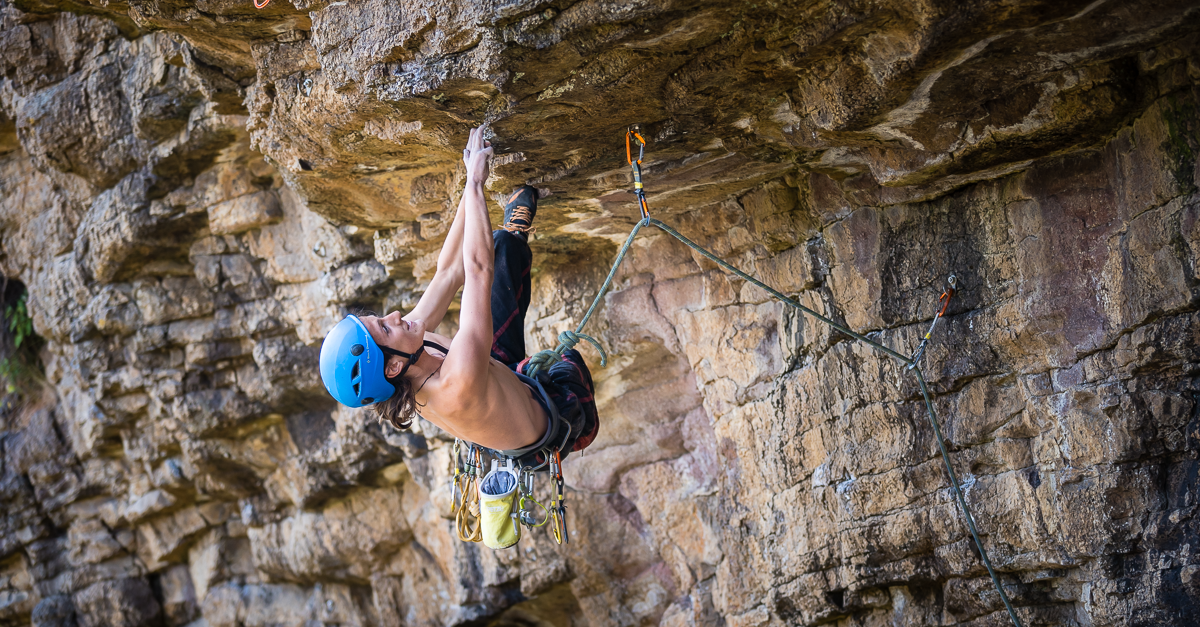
(465, 495)
(944, 301)
(527, 515)
(558, 506)
(636, 166)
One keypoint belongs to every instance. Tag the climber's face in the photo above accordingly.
(397, 333)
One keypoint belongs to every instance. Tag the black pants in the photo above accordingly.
(510, 296)
(568, 382)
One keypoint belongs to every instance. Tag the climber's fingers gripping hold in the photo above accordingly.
(479, 165)
(475, 142)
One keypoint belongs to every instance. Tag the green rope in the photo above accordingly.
(568, 339)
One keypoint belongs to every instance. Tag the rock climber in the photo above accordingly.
(473, 385)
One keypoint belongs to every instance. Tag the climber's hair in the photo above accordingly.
(400, 408)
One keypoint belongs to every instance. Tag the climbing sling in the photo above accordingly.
(568, 339)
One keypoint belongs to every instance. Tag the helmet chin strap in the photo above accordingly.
(412, 357)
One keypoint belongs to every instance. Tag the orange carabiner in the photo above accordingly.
(636, 167)
(629, 148)
(944, 299)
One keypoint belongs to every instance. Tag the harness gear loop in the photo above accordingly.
(944, 301)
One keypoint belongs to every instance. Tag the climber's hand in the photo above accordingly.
(479, 165)
(475, 142)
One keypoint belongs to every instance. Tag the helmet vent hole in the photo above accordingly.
(368, 400)
(356, 350)
(354, 371)
(356, 387)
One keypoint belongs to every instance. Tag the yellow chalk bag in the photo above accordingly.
(498, 512)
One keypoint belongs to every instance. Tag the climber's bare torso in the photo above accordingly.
(495, 410)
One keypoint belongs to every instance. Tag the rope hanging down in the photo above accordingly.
(568, 339)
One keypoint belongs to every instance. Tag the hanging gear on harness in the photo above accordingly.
(466, 485)
(558, 506)
(499, 518)
(528, 515)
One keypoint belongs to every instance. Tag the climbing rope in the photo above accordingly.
(568, 339)
(263, 5)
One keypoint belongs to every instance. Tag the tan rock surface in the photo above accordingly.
(194, 193)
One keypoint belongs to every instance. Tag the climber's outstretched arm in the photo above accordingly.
(467, 363)
(448, 278)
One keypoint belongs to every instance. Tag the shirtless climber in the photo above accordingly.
(472, 385)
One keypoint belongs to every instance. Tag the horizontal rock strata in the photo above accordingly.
(193, 193)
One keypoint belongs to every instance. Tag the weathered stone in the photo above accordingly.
(161, 539)
(244, 213)
(179, 602)
(55, 611)
(120, 603)
(753, 467)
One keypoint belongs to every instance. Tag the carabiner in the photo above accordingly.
(630, 133)
(944, 301)
(636, 167)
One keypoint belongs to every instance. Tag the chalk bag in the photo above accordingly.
(497, 506)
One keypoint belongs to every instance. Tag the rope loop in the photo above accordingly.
(542, 360)
(568, 340)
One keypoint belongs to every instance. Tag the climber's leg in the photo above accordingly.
(511, 283)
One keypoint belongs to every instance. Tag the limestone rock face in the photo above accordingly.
(193, 193)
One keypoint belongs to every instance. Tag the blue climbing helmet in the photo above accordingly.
(352, 365)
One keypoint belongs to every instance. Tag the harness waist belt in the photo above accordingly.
(553, 429)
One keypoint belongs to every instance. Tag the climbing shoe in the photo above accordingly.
(519, 212)
(497, 502)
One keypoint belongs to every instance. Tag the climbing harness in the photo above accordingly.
(491, 518)
(568, 339)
